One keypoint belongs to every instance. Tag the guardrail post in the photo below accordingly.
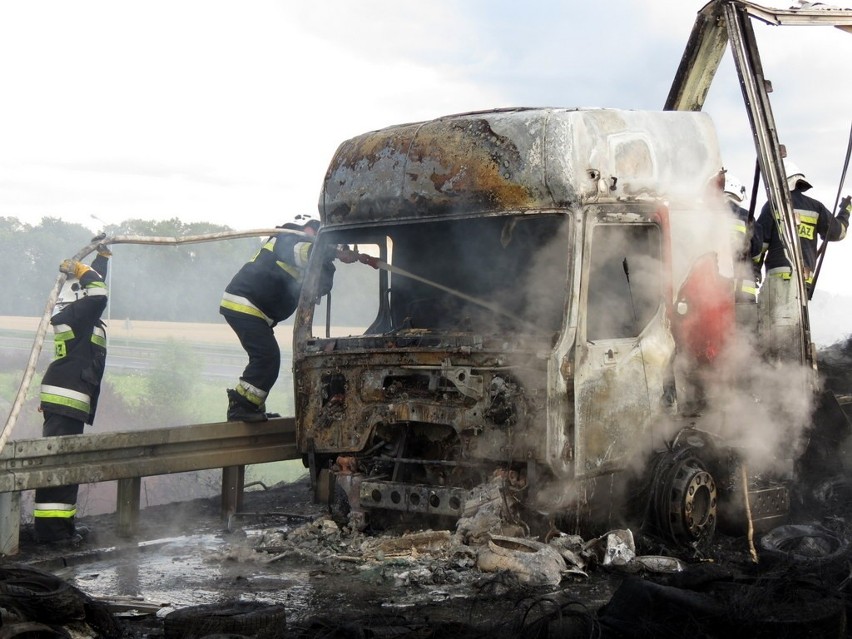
(127, 505)
(10, 522)
(233, 481)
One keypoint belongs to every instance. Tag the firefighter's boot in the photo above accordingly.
(242, 410)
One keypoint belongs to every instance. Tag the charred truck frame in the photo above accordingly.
(519, 323)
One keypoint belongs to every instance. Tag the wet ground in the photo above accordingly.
(282, 549)
(334, 581)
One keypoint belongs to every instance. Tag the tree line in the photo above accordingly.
(182, 283)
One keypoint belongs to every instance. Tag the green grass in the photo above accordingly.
(130, 387)
(11, 382)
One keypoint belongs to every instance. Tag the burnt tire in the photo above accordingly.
(253, 618)
(770, 609)
(682, 499)
(807, 546)
(38, 595)
(32, 630)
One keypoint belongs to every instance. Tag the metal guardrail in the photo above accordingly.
(128, 456)
(90, 458)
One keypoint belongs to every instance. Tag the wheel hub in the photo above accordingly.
(692, 501)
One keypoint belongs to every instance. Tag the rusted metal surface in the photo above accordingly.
(416, 392)
(614, 386)
(508, 160)
(444, 167)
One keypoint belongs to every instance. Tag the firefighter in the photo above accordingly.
(71, 384)
(778, 304)
(264, 292)
(746, 246)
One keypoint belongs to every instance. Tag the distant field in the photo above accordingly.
(196, 333)
(204, 333)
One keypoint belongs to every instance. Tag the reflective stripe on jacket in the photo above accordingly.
(268, 286)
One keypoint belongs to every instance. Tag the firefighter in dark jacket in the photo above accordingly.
(71, 384)
(778, 300)
(264, 292)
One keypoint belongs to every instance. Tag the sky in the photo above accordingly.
(229, 112)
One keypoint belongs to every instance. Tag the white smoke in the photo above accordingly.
(759, 406)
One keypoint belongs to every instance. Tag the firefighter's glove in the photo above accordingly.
(346, 255)
(846, 205)
(368, 259)
(103, 250)
(73, 268)
(69, 267)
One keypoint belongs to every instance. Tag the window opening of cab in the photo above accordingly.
(354, 302)
(625, 280)
(506, 273)
(485, 275)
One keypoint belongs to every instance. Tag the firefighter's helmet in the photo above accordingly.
(70, 292)
(308, 222)
(304, 223)
(795, 177)
(734, 189)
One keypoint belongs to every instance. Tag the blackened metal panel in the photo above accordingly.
(480, 162)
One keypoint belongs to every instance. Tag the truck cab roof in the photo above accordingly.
(511, 160)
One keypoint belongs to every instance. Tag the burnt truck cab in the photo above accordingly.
(519, 323)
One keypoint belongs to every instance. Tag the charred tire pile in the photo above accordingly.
(779, 609)
(250, 618)
(31, 630)
(38, 596)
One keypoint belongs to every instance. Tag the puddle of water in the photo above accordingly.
(192, 570)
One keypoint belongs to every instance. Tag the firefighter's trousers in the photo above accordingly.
(55, 507)
(258, 340)
(779, 319)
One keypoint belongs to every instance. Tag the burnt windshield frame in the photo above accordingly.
(486, 274)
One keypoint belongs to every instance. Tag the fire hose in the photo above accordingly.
(60, 280)
(194, 239)
(376, 263)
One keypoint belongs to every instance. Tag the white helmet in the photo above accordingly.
(795, 177)
(734, 189)
(70, 292)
